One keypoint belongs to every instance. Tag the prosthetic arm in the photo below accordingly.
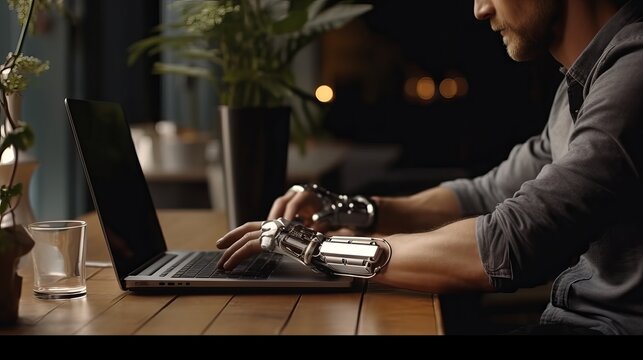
(356, 212)
(361, 257)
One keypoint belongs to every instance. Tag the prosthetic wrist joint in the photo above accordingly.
(352, 256)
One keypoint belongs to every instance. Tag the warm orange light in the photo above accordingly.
(410, 87)
(324, 93)
(425, 88)
(448, 88)
(463, 86)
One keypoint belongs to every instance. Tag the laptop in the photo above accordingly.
(131, 227)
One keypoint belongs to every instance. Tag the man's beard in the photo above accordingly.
(533, 38)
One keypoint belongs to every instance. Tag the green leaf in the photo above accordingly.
(154, 43)
(315, 8)
(6, 194)
(142, 46)
(301, 4)
(276, 9)
(22, 138)
(291, 24)
(200, 54)
(185, 70)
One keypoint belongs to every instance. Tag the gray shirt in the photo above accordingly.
(569, 202)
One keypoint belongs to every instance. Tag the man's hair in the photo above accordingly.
(620, 2)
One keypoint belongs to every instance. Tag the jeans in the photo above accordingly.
(553, 329)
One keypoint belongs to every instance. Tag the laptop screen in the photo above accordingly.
(117, 184)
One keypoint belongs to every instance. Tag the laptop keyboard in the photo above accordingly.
(204, 265)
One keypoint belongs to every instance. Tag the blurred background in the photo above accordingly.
(421, 92)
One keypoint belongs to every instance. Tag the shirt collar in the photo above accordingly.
(578, 74)
(580, 70)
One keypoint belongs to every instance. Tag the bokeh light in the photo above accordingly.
(324, 93)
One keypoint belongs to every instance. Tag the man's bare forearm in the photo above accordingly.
(444, 260)
(423, 211)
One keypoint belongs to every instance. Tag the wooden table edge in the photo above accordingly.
(437, 310)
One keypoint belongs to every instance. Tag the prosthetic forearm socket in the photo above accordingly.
(339, 255)
(354, 212)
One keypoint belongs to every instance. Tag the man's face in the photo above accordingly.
(526, 26)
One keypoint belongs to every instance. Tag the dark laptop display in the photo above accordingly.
(116, 180)
(131, 227)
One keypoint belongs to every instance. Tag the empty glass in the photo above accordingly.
(59, 258)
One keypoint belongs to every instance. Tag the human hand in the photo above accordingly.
(240, 243)
(299, 203)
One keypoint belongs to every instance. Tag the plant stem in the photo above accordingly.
(25, 28)
(14, 58)
(5, 105)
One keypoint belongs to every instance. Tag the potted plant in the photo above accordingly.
(15, 137)
(248, 46)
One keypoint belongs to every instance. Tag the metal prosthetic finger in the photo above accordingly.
(354, 212)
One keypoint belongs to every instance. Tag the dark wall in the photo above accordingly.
(109, 28)
(506, 103)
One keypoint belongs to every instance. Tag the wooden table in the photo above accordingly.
(107, 310)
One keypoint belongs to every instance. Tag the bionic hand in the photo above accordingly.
(361, 257)
(356, 212)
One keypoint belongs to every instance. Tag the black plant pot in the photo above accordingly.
(255, 155)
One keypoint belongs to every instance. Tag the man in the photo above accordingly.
(566, 204)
